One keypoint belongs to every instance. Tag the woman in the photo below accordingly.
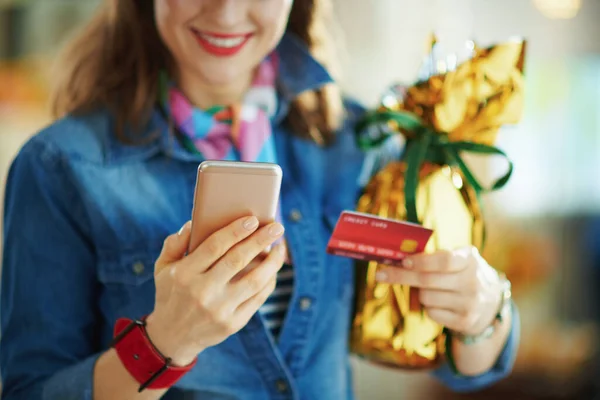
(91, 199)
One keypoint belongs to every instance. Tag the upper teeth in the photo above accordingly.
(223, 42)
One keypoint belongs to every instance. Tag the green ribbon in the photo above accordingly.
(427, 145)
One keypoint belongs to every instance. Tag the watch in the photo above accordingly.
(141, 359)
(505, 305)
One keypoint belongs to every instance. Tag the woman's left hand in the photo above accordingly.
(459, 289)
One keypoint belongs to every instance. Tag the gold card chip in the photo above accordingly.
(409, 246)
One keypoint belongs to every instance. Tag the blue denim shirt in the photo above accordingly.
(85, 220)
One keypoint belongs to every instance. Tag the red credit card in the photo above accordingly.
(368, 237)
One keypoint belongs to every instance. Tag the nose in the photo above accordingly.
(227, 13)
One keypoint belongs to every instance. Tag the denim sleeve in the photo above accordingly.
(499, 371)
(48, 312)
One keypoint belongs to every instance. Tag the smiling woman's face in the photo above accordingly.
(220, 41)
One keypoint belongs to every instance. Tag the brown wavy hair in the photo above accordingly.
(114, 62)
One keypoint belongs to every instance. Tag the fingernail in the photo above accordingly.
(183, 228)
(381, 276)
(276, 229)
(250, 223)
(408, 263)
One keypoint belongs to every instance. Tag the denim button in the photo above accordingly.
(138, 268)
(295, 215)
(281, 386)
(305, 303)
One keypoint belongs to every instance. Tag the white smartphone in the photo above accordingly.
(228, 190)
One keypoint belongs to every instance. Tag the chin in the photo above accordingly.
(221, 76)
(226, 72)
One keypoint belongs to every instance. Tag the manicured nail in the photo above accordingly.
(250, 223)
(381, 276)
(183, 228)
(408, 263)
(276, 229)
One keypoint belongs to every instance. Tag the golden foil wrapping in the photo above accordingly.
(468, 104)
(473, 101)
(389, 325)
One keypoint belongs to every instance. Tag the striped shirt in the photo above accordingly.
(275, 308)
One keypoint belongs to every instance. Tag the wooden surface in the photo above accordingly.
(586, 386)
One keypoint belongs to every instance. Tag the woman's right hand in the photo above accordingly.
(202, 299)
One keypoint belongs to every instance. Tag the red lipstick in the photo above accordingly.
(219, 44)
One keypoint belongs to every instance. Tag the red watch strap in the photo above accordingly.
(143, 361)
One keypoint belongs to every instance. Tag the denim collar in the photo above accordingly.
(298, 72)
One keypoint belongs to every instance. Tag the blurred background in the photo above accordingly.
(544, 227)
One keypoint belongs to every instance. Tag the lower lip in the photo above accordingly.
(218, 50)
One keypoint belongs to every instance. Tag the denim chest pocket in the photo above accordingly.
(127, 279)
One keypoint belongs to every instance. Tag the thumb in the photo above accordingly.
(174, 248)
